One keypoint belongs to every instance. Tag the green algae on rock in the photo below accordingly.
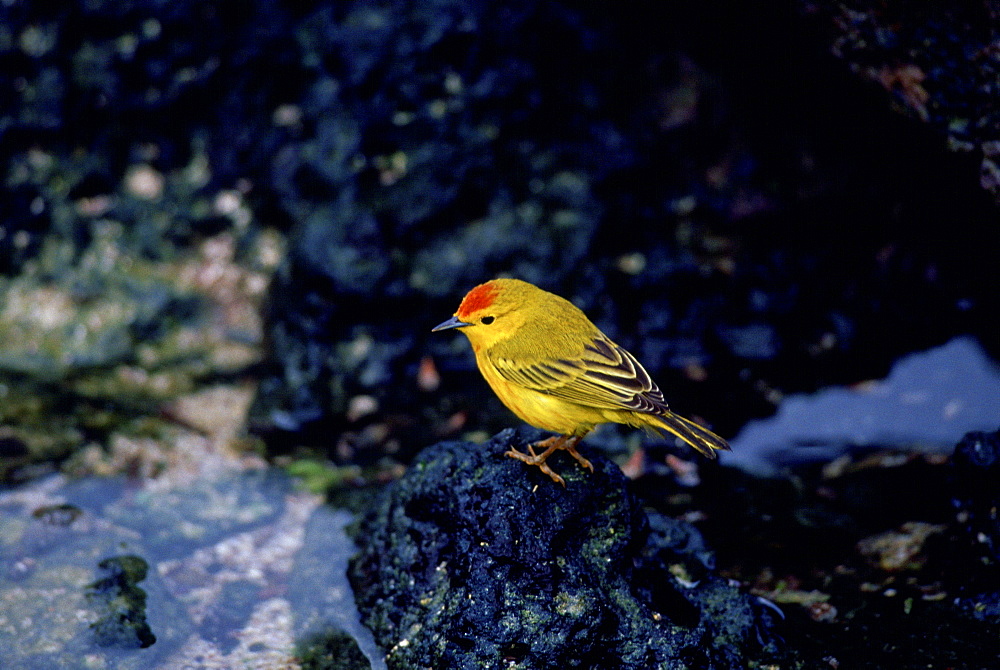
(121, 604)
(331, 649)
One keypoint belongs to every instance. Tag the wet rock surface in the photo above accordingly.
(223, 571)
(473, 560)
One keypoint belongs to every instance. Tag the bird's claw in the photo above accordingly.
(549, 445)
(584, 463)
(535, 459)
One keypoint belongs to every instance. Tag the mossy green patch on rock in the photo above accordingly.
(331, 649)
(121, 604)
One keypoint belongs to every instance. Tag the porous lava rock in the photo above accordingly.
(475, 560)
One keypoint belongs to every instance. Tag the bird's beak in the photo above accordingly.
(453, 322)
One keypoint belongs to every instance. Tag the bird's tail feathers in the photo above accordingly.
(694, 434)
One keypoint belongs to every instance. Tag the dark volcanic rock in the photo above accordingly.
(473, 560)
(435, 151)
(747, 223)
(938, 63)
(977, 491)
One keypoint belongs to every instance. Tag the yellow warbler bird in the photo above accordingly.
(557, 371)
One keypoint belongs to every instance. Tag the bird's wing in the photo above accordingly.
(603, 375)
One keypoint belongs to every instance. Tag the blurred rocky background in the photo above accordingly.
(226, 228)
(718, 188)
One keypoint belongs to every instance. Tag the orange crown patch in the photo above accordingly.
(478, 298)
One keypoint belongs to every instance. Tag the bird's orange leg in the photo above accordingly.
(549, 445)
(570, 446)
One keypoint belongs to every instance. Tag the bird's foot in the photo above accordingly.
(550, 445)
(535, 460)
(571, 448)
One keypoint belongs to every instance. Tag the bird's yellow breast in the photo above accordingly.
(540, 409)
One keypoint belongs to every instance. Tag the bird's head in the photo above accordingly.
(493, 311)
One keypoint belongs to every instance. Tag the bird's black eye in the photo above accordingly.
(486, 320)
